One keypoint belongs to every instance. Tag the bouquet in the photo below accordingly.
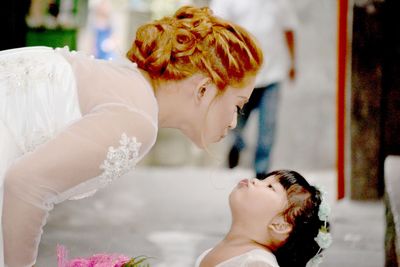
(99, 260)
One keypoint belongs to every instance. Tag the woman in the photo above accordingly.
(70, 125)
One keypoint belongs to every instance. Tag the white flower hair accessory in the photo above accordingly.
(324, 238)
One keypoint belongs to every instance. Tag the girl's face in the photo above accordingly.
(223, 110)
(254, 201)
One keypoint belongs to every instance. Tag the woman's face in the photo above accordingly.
(258, 200)
(223, 110)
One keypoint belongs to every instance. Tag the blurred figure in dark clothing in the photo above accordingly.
(273, 23)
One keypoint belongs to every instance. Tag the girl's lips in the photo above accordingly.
(244, 182)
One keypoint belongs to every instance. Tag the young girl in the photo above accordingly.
(278, 221)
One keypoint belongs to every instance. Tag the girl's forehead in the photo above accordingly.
(272, 178)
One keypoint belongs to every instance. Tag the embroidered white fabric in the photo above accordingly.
(69, 125)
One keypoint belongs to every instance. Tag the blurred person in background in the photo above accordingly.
(51, 14)
(273, 23)
(71, 124)
(161, 8)
(12, 21)
(101, 25)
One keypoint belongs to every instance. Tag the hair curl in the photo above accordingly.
(194, 41)
(302, 213)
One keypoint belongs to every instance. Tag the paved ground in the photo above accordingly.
(173, 214)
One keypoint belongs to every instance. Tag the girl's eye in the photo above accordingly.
(270, 186)
(239, 111)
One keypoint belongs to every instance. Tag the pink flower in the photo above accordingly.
(97, 260)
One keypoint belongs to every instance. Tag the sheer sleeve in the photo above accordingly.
(105, 143)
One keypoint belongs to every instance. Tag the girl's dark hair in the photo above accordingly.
(302, 213)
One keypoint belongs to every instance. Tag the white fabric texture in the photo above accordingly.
(267, 20)
(69, 125)
(252, 258)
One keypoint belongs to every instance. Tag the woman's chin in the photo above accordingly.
(196, 141)
(204, 142)
(201, 143)
(214, 140)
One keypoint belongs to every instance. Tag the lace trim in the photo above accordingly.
(18, 72)
(84, 195)
(120, 160)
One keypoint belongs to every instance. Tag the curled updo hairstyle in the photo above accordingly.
(194, 41)
(302, 213)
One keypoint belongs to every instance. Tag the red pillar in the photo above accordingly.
(341, 86)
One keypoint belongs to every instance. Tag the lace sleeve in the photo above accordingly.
(89, 148)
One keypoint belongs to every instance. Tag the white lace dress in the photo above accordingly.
(252, 258)
(69, 125)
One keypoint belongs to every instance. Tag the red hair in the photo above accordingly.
(194, 41)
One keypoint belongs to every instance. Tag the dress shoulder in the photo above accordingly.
(260, 258)
(252, 258)
(201, 257)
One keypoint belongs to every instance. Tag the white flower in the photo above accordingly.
(324, 210)
(323, 239)
(315, 261)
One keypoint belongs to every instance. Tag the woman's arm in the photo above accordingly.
(75, 155)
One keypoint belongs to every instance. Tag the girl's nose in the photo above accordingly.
(254, 181)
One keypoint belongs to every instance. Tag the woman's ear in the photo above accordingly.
(202, 88)
(280, 226)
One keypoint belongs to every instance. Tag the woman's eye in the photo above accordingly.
(239, 111)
